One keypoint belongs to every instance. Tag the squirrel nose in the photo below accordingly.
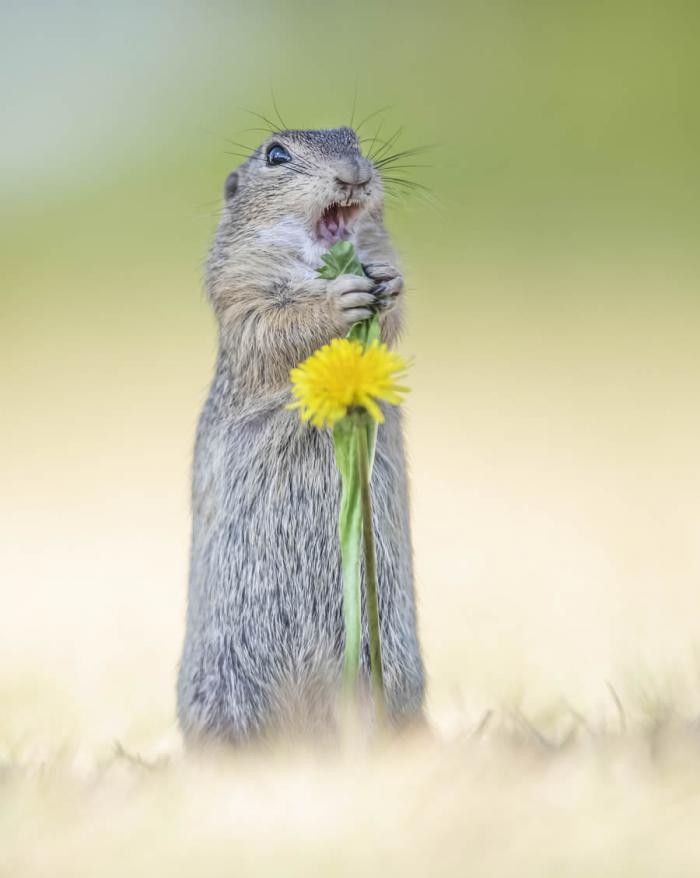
(356, 173)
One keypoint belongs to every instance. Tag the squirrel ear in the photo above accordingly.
(231, 185)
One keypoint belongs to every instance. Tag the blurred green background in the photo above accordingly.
(553, 276)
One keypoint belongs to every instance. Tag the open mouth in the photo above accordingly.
(335, 222)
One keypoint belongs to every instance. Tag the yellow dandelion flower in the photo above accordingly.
(344, 375)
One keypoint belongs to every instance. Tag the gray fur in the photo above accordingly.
(264, 641)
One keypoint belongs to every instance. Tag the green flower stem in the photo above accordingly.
(354, 438)
(350, 532)
(375, 645)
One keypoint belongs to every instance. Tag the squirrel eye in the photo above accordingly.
(277, 155)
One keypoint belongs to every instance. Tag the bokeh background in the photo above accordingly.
(553, 272)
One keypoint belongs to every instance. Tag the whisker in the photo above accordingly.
(371, 139)
(273, 128)
(263, 130)
(406, 184)
(402, 167)
(402, 180)
(370, 151)
(285, 127)
(242, 145)
(354, 104)
(388, 143)
(372, 116)
(238, 155)
(405, 197)
(405, 153)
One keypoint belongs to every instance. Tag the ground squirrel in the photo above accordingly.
(264, 641)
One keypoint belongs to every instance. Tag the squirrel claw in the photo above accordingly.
(386, 293)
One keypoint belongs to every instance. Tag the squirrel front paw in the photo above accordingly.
(388, 284)
(352, 298)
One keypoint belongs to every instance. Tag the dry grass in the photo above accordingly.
(502, 798)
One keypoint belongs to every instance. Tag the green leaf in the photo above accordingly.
(341, 258)
(366, 331)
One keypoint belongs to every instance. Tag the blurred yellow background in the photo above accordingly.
(553, 273)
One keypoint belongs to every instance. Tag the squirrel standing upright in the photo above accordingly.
(264, 643)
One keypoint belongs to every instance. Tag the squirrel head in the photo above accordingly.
(317, 181)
